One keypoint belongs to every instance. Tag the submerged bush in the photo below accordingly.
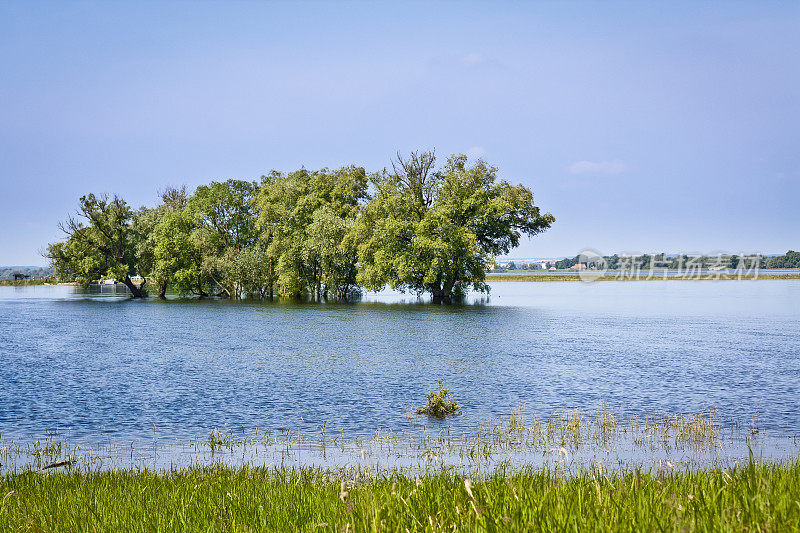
(440, 404)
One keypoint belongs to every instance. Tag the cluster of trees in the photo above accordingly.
(326, 233)
(789, 260)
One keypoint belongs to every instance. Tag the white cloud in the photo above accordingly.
(471, 59)
(476, 151)
(597, 167)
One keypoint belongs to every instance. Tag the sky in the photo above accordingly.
(642, 126)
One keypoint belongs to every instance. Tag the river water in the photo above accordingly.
(100, 364)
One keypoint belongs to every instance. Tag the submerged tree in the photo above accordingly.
(304, 217)
(226, 228)
(101, 243)
(149, 226)
(177, 255)
(424, 228)
(436, 231)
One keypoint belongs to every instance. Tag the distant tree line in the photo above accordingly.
(513, 265)
(25, 272)
(789, 260)
(660, 261)
(325, 234)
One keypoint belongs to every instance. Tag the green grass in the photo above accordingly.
(753, 497)
(643, 277)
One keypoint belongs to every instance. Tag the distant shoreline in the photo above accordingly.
(31, 282)
(574, 277)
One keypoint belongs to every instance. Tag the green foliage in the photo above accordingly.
(753, 497)
(101, 243)
(226, 227)
(440, 403)
(316, 233)
(153, 227)
(437, 231)
(177, 253)
(305, 217)
(790, 260)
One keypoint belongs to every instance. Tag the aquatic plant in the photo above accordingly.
(440, 403)
(571, 439)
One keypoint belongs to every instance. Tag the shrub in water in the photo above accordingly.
(440, 404)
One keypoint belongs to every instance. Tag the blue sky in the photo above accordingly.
(641, 126)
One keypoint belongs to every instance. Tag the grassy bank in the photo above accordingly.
(643, 277)
(756, 496)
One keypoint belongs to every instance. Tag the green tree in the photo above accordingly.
(437, 231)
(326, 243)
(424, 229)
(226, 226)
(790, 260)
(145, 225)
(177, 252)
(304, 217)
(101, 243)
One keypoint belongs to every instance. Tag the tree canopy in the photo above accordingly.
(437, 230)
(325, 233)
(101, 243)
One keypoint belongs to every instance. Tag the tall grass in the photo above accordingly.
(754, 497)
(578, 439)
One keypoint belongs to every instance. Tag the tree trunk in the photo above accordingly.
(271, 279)
(436, 292)
(162, 290)
(442, 293)
(447, 290)
(200, 292)
(136, 292)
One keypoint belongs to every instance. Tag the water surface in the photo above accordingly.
(103, 364)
